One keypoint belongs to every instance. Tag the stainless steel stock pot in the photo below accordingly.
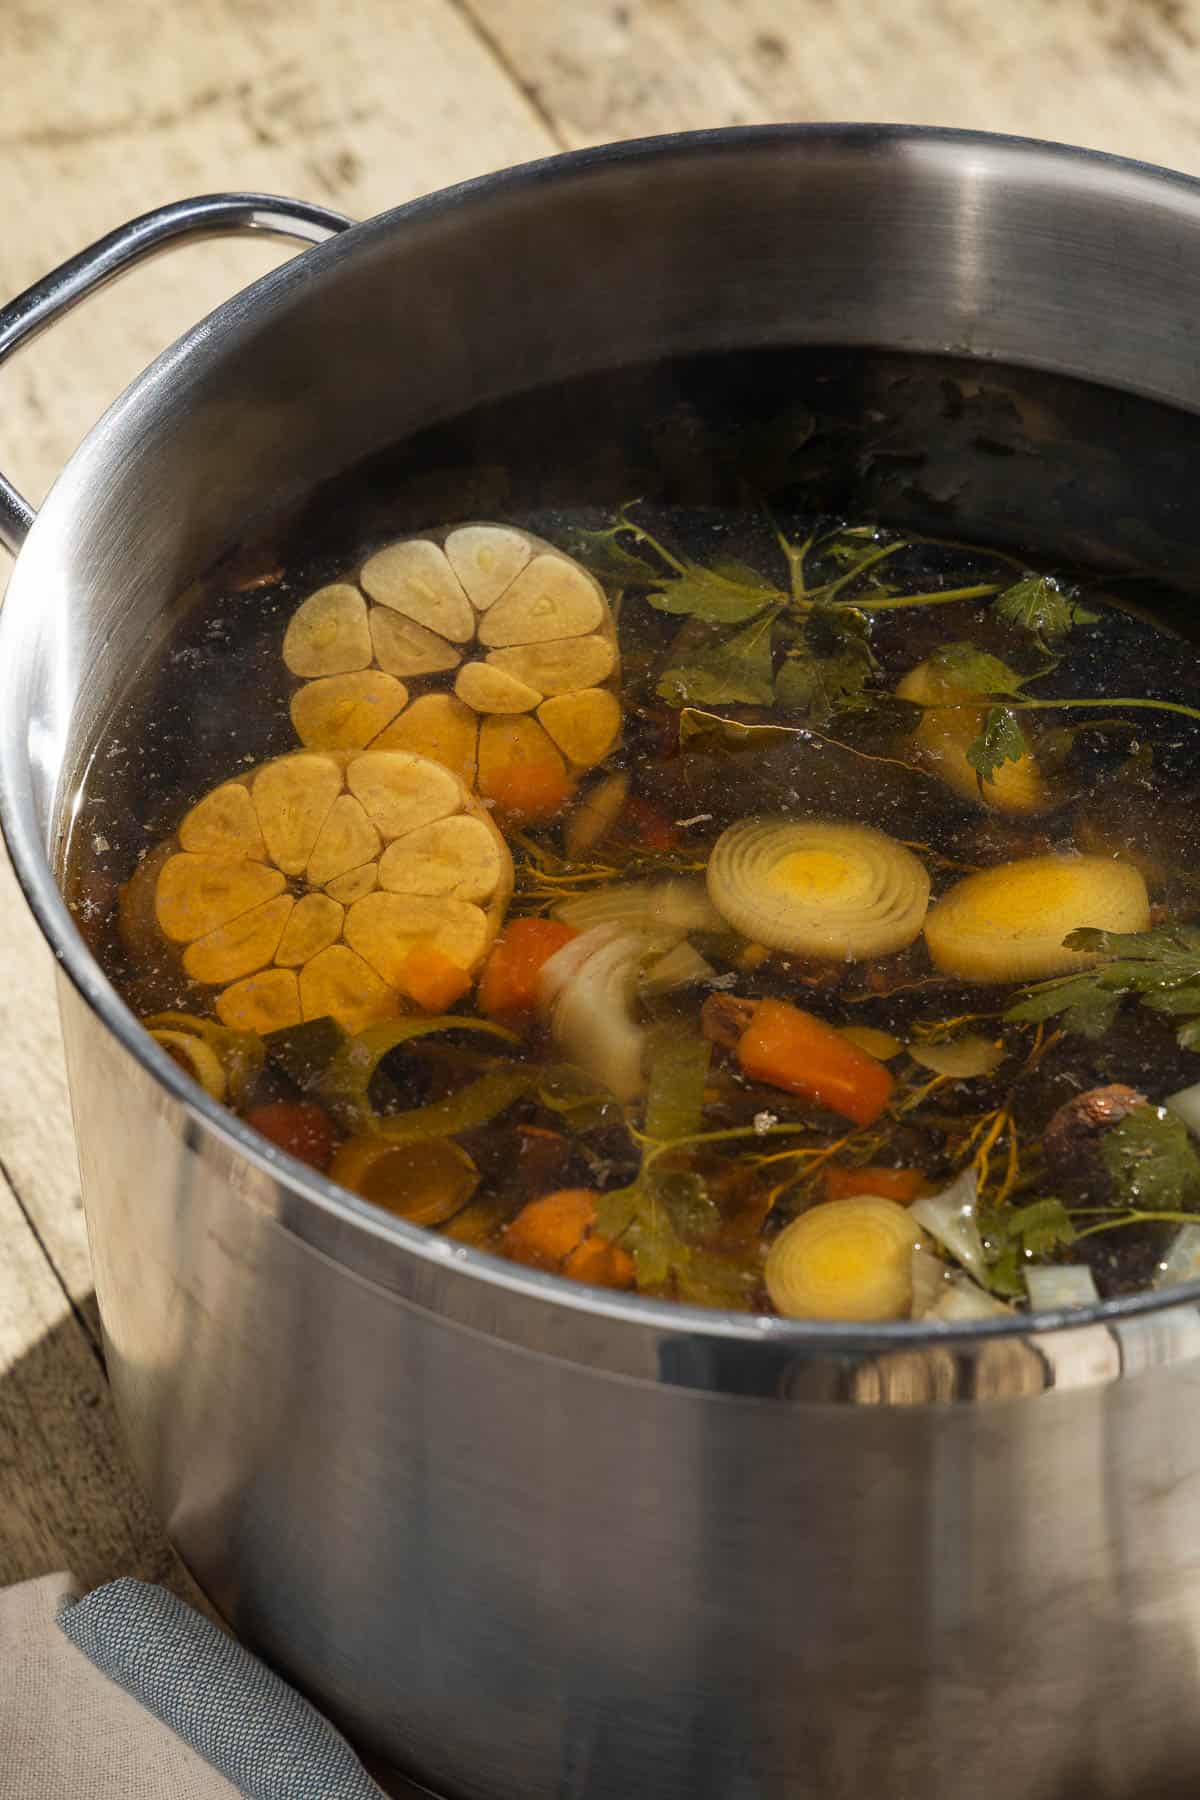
(520, 1538)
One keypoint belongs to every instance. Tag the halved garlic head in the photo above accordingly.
(818, 887)
(494, 625)
(952, 720)
(304, 889)
(845, 1259)
(1008, 923)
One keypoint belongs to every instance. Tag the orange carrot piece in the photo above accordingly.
(600, 1263)
(509, 982)
(794, 1050)
(556, 1233)
(901, 1185)
(432, 979)
(546, 1231)
(300, 1127)
(646, 824)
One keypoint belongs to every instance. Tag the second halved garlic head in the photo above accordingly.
(481, 647)
(325, 885)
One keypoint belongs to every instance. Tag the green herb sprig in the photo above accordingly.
(1159, 968)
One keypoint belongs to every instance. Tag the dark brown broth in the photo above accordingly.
(870, 441)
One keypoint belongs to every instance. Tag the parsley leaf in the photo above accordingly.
(1042, 606)
(737, 669)
(1013, 1235)
(1000, 741)
(1152, 1161)
(609, 556)
(975, 671)
(1160, 968)
(828, 671)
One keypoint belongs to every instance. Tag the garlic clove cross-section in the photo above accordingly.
(445, 633)
(303, 889)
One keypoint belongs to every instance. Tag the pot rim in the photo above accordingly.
(32, 863)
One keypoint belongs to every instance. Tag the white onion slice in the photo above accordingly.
(950, 1218)
(1050, 1290)
(666, 910)
(593, 1021)
(681, 967)
(929, 1278)
(964, 1300)
(1182, 1261)
(1186, 1106)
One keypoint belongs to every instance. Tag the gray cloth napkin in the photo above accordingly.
(160, 1705)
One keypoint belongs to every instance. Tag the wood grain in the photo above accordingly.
(1115, 75)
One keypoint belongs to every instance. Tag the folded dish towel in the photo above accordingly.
(160, 1705)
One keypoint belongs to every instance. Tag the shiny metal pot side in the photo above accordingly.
(520, 1538)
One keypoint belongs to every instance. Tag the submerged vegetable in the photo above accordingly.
(962, 1059)
(523, 634)
(844, 1259)
(662, 909)
(303, 890)
(590, 988)
(424, 1182)
(1010, 923)
(725, 873)
(300, 1127)
(952, 724)
(901, 1185)
(950, 1217)
(557, 1233)
(196, 1057)
(818, 887)
(792, 1049)
(1066, 1286)
(508, 985)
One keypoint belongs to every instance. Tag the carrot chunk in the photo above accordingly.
(433, 979)
(509, 982)
(556, 1233)
(794, 1050)
(901, 1185)
(302, 1128)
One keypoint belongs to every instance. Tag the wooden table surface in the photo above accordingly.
(112, 106)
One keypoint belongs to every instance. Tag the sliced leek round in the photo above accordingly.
(1009, 923)
(495, 626)
(952, 720)
(845, 1259)
(818, 887)
(308, 887)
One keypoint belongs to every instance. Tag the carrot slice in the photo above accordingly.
(902, 1185)
(432, 978)
(508, 985)
(546, 1231)
(556, 1233)
(794, 1050)
(300, 1127)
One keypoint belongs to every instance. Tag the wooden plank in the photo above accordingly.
(111, 108)
(67, 1498)
(1116, 75)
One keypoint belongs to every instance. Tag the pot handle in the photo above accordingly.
(210, 215)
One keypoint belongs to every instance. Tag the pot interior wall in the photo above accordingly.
(955, 448)
(923, 242)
